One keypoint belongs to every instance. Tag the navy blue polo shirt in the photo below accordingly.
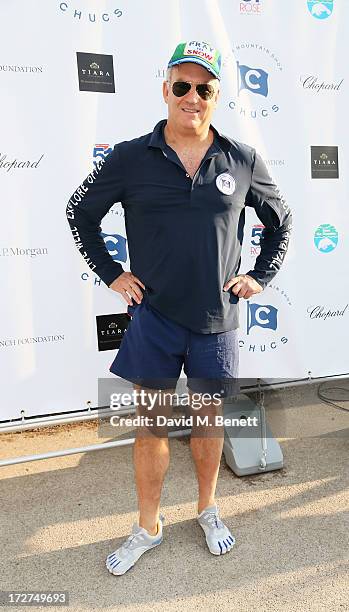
(184, 235)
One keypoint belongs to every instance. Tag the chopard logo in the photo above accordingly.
(320, 312)
(8, 165)
(314, 84)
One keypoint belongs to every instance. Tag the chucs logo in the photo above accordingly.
(83, 14)
(266, 324)
(320, 9)
(257, 78)
(262, 315)
(253, 79)
(326, 238)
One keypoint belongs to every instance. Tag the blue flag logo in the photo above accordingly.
(262, 315)
(253, 79)
(116, 246)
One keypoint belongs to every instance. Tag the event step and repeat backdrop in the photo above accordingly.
(78, 76)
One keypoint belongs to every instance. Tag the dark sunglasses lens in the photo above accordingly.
(180, 88)
(205, 91)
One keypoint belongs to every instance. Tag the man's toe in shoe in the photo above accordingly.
(222, 545)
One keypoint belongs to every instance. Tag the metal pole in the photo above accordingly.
(84, 449)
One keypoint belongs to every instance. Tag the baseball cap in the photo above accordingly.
(198, 52)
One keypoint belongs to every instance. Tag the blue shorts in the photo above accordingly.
(154, 349)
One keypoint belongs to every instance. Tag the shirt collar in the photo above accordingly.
(157, 138)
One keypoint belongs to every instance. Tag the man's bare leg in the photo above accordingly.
(206, 445)
(151, 457)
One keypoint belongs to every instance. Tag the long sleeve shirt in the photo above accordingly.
(184, 235)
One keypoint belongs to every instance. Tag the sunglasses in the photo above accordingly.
(206, 91)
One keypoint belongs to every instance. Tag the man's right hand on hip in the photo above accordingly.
(128, 285)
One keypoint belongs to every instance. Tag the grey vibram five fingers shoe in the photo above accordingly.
(122, 559)
(218, 537)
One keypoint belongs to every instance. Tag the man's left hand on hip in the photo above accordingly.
(243, 286)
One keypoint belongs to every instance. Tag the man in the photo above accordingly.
(184, 188)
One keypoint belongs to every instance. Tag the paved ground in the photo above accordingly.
(59, 518)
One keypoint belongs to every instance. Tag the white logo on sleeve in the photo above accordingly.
(225, 183)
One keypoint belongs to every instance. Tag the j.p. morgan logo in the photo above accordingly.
(317, 85)
(96, 72)
(324, 163)
(80, 14)
(322, 312)
(22, 252)
(160, 73)
(110, 330)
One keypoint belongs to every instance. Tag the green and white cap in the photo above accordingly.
(198, 52)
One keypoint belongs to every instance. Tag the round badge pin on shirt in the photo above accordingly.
(225, 183)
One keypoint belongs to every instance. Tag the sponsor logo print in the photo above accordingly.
(7, 342)
(320, 9)
(323, 313)
(326, 238)
(21, 252)
(101, 151)
(251, 7)
(256, 232)
(85, 276)
(116, 246)
(161, 73)
(110, 330)
(117, 210)
(79, 14)
(274, 162)
(253, 79)
(258, 74)
(264, 320)
(262, 315)
(324, 163)
(8, 165)
(315, 84)
(96, 72)
(225, 183)
(21, 69)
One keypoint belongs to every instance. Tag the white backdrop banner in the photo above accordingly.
(78, 76)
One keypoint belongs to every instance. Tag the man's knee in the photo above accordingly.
(205, 410)
(153, 409)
